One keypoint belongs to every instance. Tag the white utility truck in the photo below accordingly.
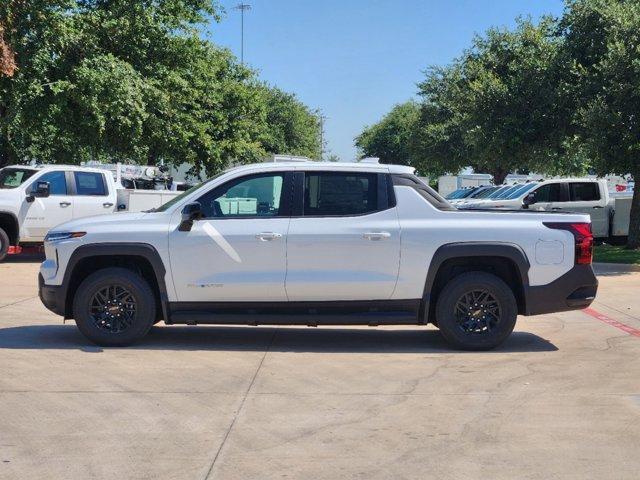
(34, 199)
(317, 243)
(609, 214)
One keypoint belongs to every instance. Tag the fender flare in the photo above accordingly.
(148, 252)
(448, 251)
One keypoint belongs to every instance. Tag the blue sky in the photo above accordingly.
(355, 59)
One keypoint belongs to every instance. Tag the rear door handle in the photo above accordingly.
(107, 204)
(268, 236)
(555, 209)
(597, 207)
(376, 235)
(65, 204)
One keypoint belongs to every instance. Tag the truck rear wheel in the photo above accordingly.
(4, 244)
(114, 307)
(476, 311)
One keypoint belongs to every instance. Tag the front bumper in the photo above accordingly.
(52, 296)
(574, 290)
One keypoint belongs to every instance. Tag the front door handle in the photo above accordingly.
(65, 204)
(555, 209)
(597, 207)
(268, 236)
(107, 204)
(376, 235)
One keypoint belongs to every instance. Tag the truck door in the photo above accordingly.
(550, 197)
(91, 195)
(41, 215)
(344, 242)
(238, 250)
(586, 197)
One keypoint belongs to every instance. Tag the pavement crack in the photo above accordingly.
(19, 301)
(239, 409)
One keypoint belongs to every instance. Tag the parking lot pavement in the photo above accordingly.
(560, 399)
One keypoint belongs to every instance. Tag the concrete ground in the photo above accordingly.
(560, 399)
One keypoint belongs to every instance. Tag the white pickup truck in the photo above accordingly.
(609, 215)
(317, 244)
(35, 199)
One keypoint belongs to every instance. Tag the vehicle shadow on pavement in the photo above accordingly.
(216, 338)
(25, 258)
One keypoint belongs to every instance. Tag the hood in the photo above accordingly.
(98, 221)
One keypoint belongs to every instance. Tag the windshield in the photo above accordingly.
(165, 206)
(497, 192)
(485, 193)
(14, 177)
(505, 193)
(523, 189)
(462, 193)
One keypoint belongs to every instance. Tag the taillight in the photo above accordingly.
(584, 239)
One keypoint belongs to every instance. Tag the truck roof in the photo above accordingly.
(265, 166)
(57, 167)
(364, 166)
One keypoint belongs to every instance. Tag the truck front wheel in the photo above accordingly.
(476, 311)
(114, 307)
(4, 244)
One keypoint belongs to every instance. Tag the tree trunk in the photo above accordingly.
(499, 174)
(634, 217)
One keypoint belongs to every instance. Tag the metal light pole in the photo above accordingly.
(321, 118)
(242, 7)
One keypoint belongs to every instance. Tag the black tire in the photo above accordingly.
(483, 325)
(4, 244)
(127, 314)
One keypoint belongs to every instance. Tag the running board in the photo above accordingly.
(373, 313)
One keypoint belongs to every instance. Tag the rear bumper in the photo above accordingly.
(574, 290)
(51, 296)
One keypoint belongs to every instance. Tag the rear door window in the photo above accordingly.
(584, 191)
(340, 193)
(90, 184)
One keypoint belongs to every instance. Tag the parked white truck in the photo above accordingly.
(317, 244)
(609, 215)
(34, 199)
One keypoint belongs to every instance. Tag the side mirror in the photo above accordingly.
(529, 200)
(40, 190)
(190, 213)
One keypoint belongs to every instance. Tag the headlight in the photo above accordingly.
(57, 236)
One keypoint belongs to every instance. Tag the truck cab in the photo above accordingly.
(35, 199)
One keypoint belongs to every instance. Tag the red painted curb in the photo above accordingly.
(610, 321)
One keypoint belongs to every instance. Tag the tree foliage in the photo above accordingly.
(132, 81)
(389, 139)
(291, 127)
(602, 49)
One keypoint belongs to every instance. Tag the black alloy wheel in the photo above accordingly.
(113, 309)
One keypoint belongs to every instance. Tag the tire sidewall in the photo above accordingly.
(447, 321)
(139, 288)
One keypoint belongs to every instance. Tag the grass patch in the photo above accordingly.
(611, 254)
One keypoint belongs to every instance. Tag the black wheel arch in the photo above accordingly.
(121, 251)
(9, 223)
(451, 259)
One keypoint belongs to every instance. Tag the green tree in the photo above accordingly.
(602, 51)
(495, 108)
(291, 127)
(389, 139)
(134, 81)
